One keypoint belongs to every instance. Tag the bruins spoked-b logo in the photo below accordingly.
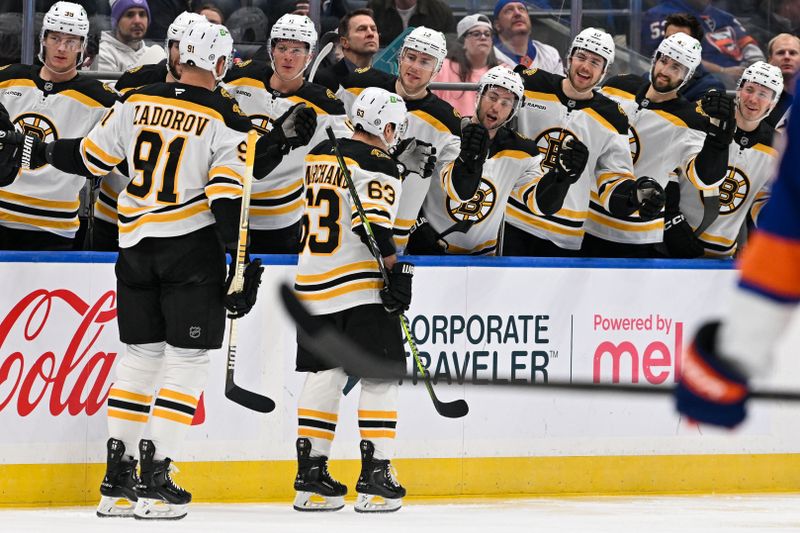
(634, 144)
(733, 191)
(478, 207)
(261, 123)
(549, 144)
(38, 126)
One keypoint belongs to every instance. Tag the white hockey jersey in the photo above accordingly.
(46, 199)
(513, 165)
(277, 200)
(183, 147)
(546, 117)
(335, 270)
(430, 119)
(663, 137)
(752, 162)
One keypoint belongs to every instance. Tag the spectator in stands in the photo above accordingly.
(124, 47)
(358, 40)
(394, 16)
(701, 81)
(211, 12)
(728, 48)
(513, 43)
(784, 52)
(468, 62)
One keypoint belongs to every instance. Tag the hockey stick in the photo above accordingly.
(454, 409)
(323, 53)
(233, 392)
(337, 349)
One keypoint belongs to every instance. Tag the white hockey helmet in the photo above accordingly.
(181, 24)
(294, 28)
(597, 41)
(682, 48)
(374, 108)
(203, 44)
(765, 75)
(506, 78)
(65, 17)
(427, 41)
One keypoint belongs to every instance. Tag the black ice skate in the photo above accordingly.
(117, 489)
(378, 491)
(316, 489)
(159, 498)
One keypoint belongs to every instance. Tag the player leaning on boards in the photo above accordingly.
(667, 132)
(751, 162)
(727, 353)
(431, 120)
(106, 236)
(266, 93)
(177, 218)
(511, 164)
(555, 109)
(338, 278)
(39, 211)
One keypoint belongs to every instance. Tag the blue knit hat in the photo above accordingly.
(503, 3)
(119, 8)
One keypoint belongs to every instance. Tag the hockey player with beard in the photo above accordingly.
(266, 93)
(338, 279)
(39, 210)
(513, 165)
(185, 143)
(558, 108)
(431, 121)
(727, 353)
(752, 157)
(105, 235)
(667, 132)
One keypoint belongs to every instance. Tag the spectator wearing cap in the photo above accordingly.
(514, 43)
(702, 81)
(468, 62)
(123, 47)
(358, 39)
(394, 16)
(784, 52)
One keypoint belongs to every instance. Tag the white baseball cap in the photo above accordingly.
(472, 21)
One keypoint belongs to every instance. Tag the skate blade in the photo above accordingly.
(310, 501)
(371, 503)
(114, 507)
(152, 509)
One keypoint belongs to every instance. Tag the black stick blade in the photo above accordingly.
(250, 400)
(454, 409)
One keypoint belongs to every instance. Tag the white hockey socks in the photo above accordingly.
(185, 376)
(377, 415)
(132, 393)
(318, 409)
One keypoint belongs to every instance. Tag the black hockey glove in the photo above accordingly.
(415, 156)
(239, 303)
(18, 150)
(721, 119)
(649, 198)
(424, 240)
(397, 296)
(474, 145)
(679, 238)
(294, 128)
(572, 159)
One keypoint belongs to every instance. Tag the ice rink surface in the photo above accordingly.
(674, 514)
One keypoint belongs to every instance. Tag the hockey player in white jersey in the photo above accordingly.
(338, 279)
(512, 165)
(105, 235)
(751, 162)
(660, 118)
(266, 93)
(557, 108)
(39, 211)
(430, 120)
(185, 144)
